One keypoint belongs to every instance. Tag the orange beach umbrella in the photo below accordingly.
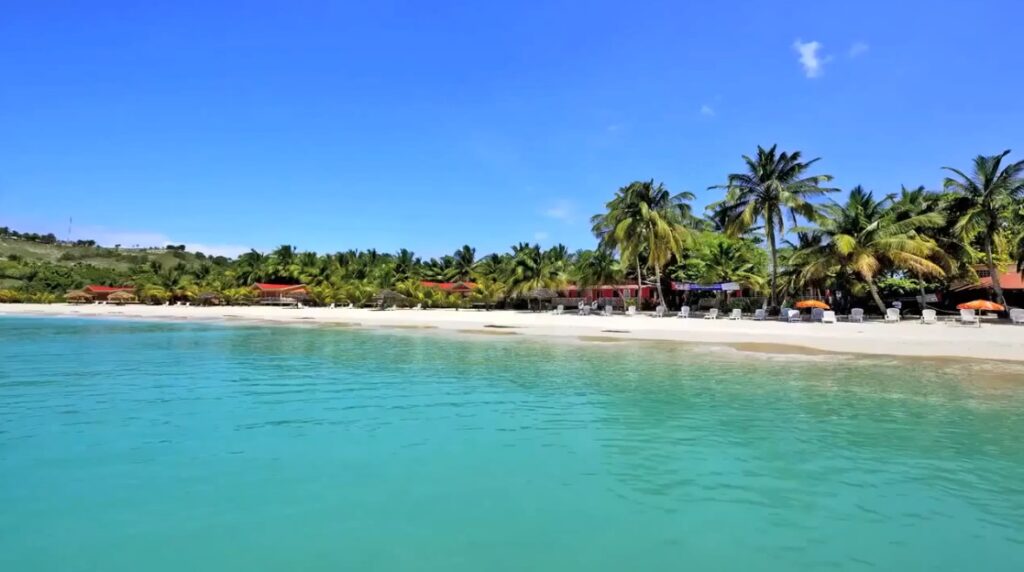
(981, 305)
(803, 304)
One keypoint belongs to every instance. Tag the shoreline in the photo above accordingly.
(991, 342)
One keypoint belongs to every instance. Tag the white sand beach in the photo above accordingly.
(994, 341)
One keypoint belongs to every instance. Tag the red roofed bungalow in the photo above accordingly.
(610, 291)
(280, 293)
(1011, 282)
(98, 292)
(453, 287)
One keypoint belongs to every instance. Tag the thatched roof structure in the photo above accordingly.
(541, 294)
(209, 299)
(78, 296)
(122, 297)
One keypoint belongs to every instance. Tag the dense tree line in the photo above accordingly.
(775, 230)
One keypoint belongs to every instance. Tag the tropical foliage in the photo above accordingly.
(773, 230)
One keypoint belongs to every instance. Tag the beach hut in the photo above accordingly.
(280, 294)
(122, 297)
(100, 293)
(540, 295)
(385, 298)
(209, 299)
(78, 297)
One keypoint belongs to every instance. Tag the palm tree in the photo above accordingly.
(775, 185)
(462, 261)
(529, 268)
(644, 219)
(983, 203)
(596, 268)
(866, 238)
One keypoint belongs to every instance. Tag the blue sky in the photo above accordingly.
(427, 125)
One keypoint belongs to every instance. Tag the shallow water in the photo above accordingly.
(174, 446)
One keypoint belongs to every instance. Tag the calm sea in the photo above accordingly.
(135, 446)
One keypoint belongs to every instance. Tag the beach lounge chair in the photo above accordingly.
(929, 317)
(817, 314)
(418, 307)
(828, 317)
(712, 314)
(784, 315)
(332, 306)
(559, 310)
(684, 312)
(581, 308)
(608, 310)
(857, 315)
(969, 318)
(737, 314)
(631, 311)
(892, 315)
(759, 314)
(1017, 316)
(793, 316)
(660, 311)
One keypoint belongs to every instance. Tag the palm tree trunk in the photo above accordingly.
(992, 271)
(770, 231)
(661, 294)
(876, 295)
(639, 283)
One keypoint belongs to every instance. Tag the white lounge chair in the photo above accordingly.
(332, 306)
(418, 306)
(784, 315)
(969, 318)
(631, 311)
(712, 314)
(737, 314)
(684, 312)
(660, 311)
(759, 314)
(857, 315)
(794, 316)
(1017, 316)
(828, 317)
(929, 317)
(559, 310)
(892, 315)
(817, 314)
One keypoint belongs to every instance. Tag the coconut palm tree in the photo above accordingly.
(865, 237)
(596, 268)
(983, 202)
(775, 185)
(461, 265)
(645, 220)
(529, 268)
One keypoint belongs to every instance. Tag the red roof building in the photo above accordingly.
(1007, 280)
(99, 292)
(280, 292)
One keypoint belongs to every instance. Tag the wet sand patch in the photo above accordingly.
(409, 327)
(487, 332)
(783, 349)
(602, 339)
(500, 327)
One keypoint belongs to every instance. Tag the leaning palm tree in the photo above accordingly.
(864, 237)
(645, 220)
(775, 185)
(983, 203)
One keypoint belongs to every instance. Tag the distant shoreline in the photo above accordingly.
(1000, 342)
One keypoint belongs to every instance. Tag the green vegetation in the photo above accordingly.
(774, 232)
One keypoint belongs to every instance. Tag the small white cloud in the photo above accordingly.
(562, 210)
(810, 59)
(858, 49)
(707, 111)
(613, 128)
(540, 235)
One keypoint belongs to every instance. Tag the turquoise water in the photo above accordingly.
(173, 446)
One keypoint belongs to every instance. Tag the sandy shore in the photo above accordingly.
(908, 338)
